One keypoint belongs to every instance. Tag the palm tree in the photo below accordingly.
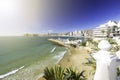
(108, 32)
(103, 31)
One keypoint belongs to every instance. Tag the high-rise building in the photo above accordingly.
(108, 29)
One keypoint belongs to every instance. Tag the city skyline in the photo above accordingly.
(40, 16)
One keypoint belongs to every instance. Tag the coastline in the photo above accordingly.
(76, 57)
(32, 53)
(11, 72)
(59, 57)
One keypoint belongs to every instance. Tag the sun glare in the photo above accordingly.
(20, 16)
(8, 6)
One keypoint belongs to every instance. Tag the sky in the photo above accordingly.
(18, 17)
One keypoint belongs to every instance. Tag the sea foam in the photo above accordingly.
(12, 72)
(53, 50)
(59, 56)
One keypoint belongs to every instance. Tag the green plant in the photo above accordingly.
(54, 73)
(83, 43)
(108, 32)
(73, 45)
(92, 44)
(72, 74)
(118, 71)
(103, 31)
(91, 62)
(95, 47)
(90, 40)
(59, 73)
(111, 41)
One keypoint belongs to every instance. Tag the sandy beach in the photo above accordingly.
(76, 57)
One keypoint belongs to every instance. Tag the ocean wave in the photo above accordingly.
(53, 50)
(12, 72)
(59, 56)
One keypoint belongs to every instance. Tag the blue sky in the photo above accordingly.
(41, 16)
(69, 15)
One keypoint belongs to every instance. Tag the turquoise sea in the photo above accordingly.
(24, 58)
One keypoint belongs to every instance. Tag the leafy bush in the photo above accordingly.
(90, 40)
(73, 45)
(72, 74)
(83, 43)
(118, 71)
(91, 62)
(111, 41)
(59, 73)
(92, 44)
(54, 73)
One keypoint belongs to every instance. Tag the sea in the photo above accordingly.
(24, 58)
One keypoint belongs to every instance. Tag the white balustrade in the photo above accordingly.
(106, 64)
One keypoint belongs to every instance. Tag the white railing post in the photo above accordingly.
(106, 64)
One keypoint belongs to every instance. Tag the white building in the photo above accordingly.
(77, 33)
(108, 29)
(100, 31)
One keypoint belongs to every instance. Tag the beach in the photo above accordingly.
(46, 54)
(77, 57)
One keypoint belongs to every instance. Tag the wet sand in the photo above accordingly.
(76, 57)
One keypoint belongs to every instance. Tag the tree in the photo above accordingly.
(103, 31)
(108, 32)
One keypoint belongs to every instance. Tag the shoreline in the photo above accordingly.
(58, 61)
(76, 57)
(40, 71)
(10, 73)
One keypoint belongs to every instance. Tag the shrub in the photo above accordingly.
(90, 40)
(59, 73)
(73, 45)
(118, 71)
(111, 41)
(54, 73)
(84, 44)
(72, 74)
(90, 62)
